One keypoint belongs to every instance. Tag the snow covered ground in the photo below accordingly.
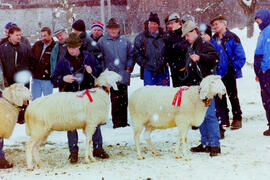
(245, 152)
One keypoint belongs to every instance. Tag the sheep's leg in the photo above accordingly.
(36, 153)
(147, 136)
(183, 140)
(137, 133)
(89, 146)
(29, 153)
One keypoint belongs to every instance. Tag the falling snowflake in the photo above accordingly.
(155, 117)
(116, 62)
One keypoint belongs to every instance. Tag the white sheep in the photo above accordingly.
(66, 111)
(151, 107)
(14, 96)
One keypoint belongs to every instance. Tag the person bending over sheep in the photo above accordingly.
(74, 72)
(201, 61)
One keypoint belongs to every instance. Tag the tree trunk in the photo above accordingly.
(102, 11)
(109, 9)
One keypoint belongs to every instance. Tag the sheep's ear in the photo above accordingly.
(204, 88)
(114, 86)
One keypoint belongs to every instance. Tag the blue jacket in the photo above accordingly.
(235, 51)
(64, 67)
(262, 52)
(117, 55)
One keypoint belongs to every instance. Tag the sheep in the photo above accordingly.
(13, 96)
(66, 111)
(151, 107)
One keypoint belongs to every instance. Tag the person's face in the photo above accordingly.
(152, 27)
(219, 26)
(97, 32)
(173, 25)
(191, 36)
(258, 21)
(62, 37)
(74, 51)
(15, 38)
(45, 37)
(113, 32)
(205, 36)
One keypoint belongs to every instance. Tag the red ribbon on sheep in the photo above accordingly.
(87, 92)
(178, 96)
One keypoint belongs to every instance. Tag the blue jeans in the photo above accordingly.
(73, 140)
(209, 129)
(41, 86)
(161, 79)
(2, 153)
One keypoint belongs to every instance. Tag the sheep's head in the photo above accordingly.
(210, 86)
(17, 94)
(109, 79)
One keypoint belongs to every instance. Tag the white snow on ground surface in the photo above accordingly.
(245, 152)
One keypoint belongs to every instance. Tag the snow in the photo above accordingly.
(247, 2)
(245, 152)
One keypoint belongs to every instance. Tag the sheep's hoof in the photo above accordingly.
(141, 158)
(30, 169)
(87, 162)
(178, 157)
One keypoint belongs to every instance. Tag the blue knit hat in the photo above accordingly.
(9, 25)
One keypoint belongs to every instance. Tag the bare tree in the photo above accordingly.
(249, 10)
(102, 11)
(65, 8)
(109, 4)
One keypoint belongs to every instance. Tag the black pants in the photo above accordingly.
(229, 81)
(119, 100)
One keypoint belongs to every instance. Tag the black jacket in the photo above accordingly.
(209, 59)
(10, 65)
(176, 48)
(41, 65)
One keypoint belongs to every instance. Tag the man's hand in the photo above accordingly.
(88, 69)
(69, 78)
(194, 57)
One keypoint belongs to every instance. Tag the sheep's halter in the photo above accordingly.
(206, 101)
(106, 89)
(178, 96)
(15, 105)
(87, 92)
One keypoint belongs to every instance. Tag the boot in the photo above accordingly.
(236, 124)
(222, 132)
(267, 132)
(200, 148)
(214, 151)
(4, 164)
(73, 157)
(100, 153)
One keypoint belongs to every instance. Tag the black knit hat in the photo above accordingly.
(153, 17)
(73, 40)
(79, 25)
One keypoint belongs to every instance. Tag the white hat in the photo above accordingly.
(187, 17)
(188, 26)
(173, 16)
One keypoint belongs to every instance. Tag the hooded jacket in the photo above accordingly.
(262, 52)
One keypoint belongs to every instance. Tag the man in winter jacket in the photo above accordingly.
(41, 65)
(232, 59)
(262, 61)
(149, 53)
(7, 27)
(176, 48)
(88, 44)
(60, 47)
(201, 61)
(74, 72)
(14, 56)
(117, 56)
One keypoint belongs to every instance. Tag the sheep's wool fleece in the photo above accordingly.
(8, 118)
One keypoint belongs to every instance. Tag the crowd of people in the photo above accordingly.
(184, 52)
